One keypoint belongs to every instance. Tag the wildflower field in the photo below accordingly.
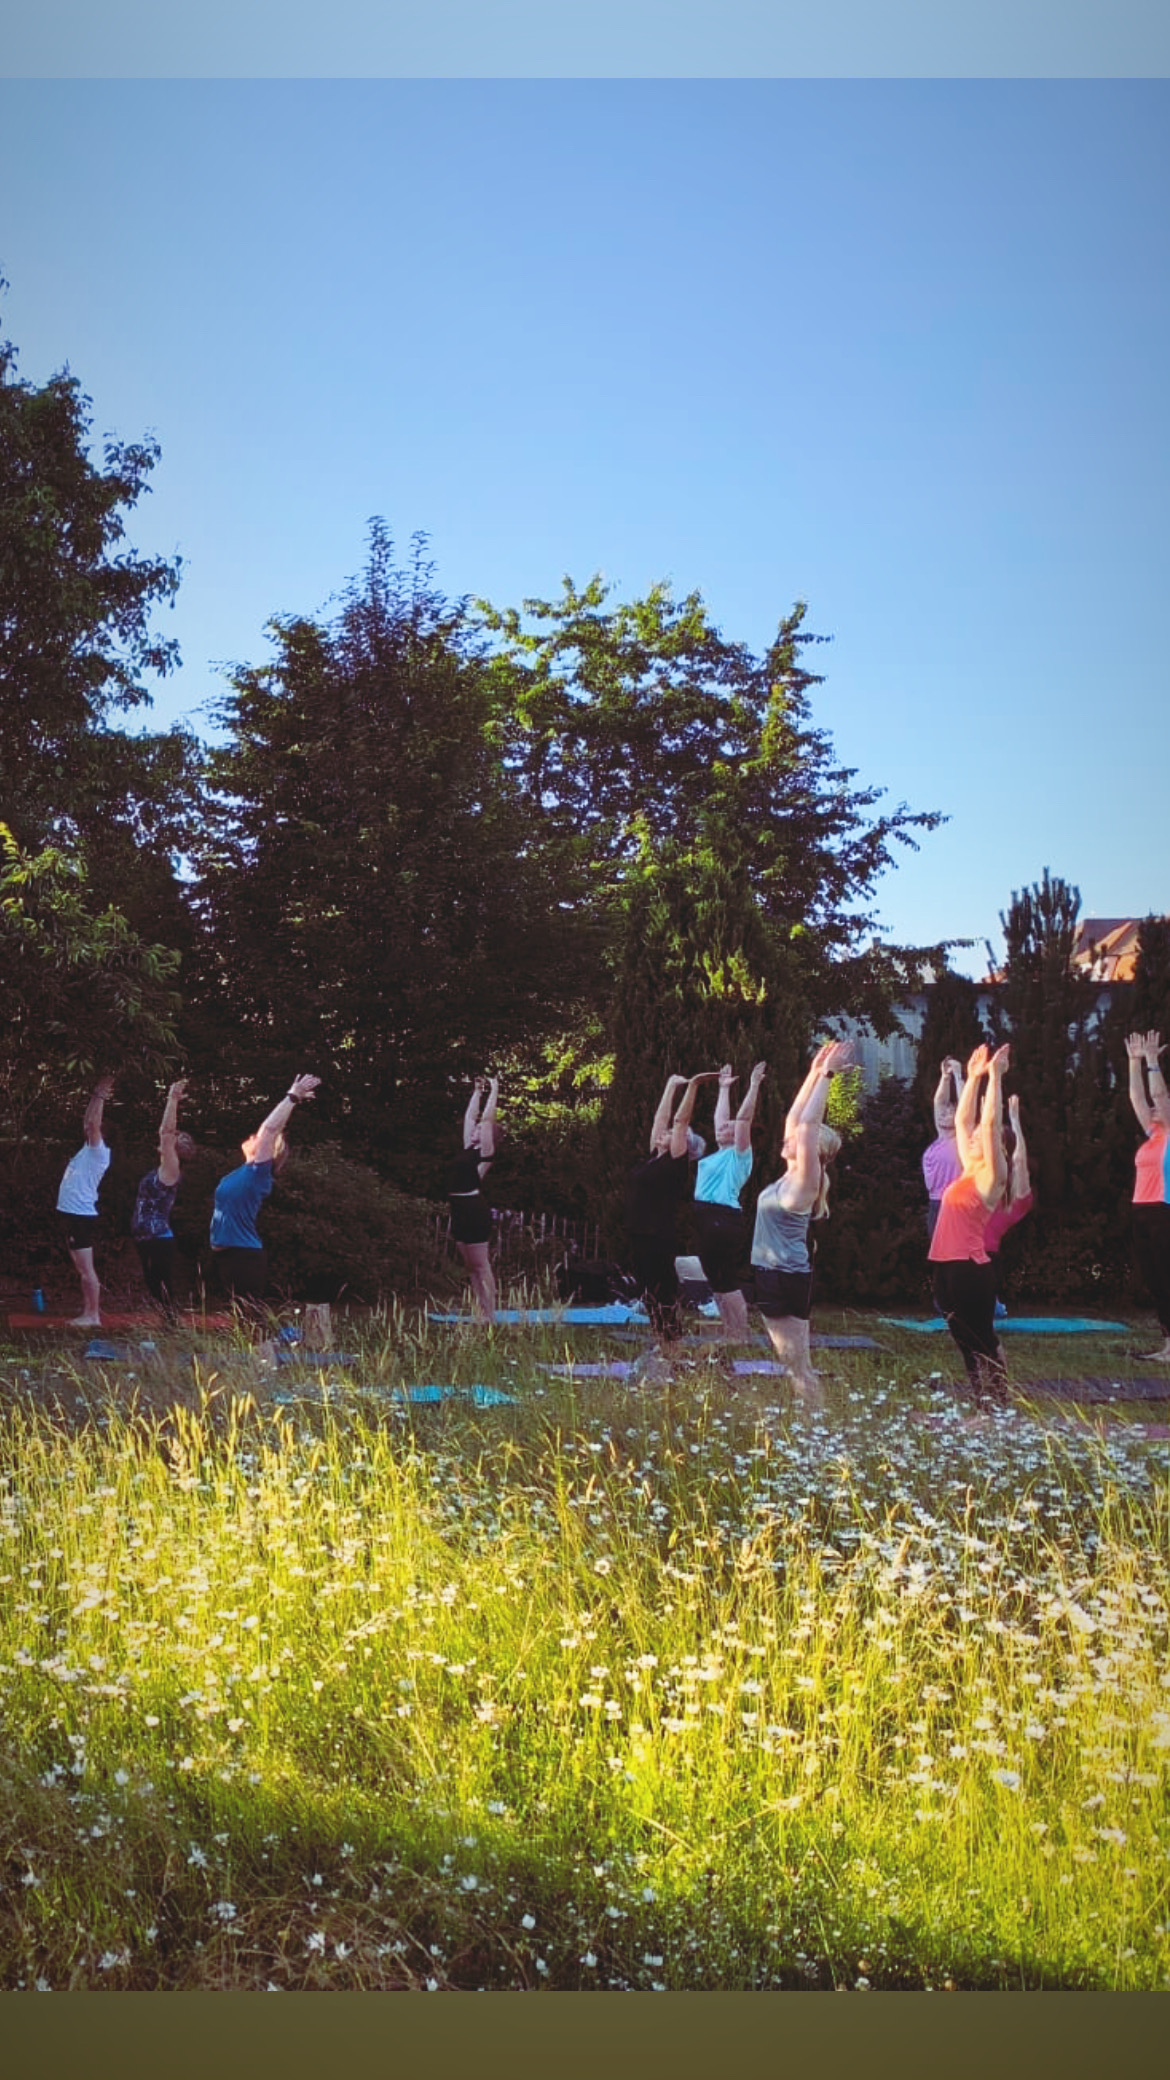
(668, 1687)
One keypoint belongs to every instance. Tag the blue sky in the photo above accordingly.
(895, 348)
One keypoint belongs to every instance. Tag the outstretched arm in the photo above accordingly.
(471, 1116)
(1135, 1048)
(487, 1125)
(1021, 1177)
(168, 1157)
(949, 1089)
(809, 1102)
(92, 1123)
(802, 1180)
(723, 1101)
(1159, 1096)
(681, 1124)
(665, 1107)
(300, 1089)
(747, 1111)
(965, 1114)
(990, 1171)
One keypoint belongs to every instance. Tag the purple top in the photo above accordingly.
(941, 1165)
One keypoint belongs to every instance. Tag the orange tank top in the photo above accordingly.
(961, 1226)
(1152, 1170)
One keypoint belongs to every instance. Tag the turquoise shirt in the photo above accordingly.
(722, 1177)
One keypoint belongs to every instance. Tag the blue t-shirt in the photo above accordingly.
(721, 1178)
(238, 1199)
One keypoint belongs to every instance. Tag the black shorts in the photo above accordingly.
(78, 1230)
(723, 1245)
(783, 1295)
(242, 1272)
(471, 1217)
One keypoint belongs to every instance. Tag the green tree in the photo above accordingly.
(873, 1247)
(82, 992)
(1046, 1007)
(77, 646)
(640, 727)
(951, 1027)
(700, 981)
(373, 898)
(76, 639)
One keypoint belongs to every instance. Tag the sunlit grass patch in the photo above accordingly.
(677, 1688)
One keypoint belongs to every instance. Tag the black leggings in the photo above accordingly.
(1151, 1247)
(652, 1264)
(157, 1256)
(965, 1293)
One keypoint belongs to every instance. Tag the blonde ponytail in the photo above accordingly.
(828, 1148)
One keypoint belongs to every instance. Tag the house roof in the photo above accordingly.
(1106, 947)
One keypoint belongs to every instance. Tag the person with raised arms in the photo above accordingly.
(654, 1191)
(77, 1204)
(150, 1223)
(1151, 1193)
(1018, 1198)
(241, 1259)
(963, 1273)
(720, 1220)
(782, 1248)
(940, 1162)
(471, 1210)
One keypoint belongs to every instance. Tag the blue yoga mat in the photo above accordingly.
(304, 1357)
(583, 1317)
(1027, 1325)
(480, 1397)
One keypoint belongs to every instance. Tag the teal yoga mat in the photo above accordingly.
(1018, 1324)
(583, 1317)
(480, 1397)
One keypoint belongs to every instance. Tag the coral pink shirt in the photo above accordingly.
(962, 1223)
(1002, 1219)
(1152, 1167)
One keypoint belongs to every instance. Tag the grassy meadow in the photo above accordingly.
(669, 1686)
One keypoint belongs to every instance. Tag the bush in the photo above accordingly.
(873, 1248)
(333, 1227)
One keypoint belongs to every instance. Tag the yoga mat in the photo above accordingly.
(583, 1317)
(303, 1357)
(125, 1321)
(1028, 1325)
(479, 1396)
(1098, 1389)
(618, 1370)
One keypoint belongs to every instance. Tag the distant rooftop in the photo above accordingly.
(1105, 949)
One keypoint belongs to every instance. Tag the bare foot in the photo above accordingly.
(808, 1390)
(86, 1321)
(1161, 1357)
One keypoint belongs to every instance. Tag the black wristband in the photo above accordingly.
(292, 1097)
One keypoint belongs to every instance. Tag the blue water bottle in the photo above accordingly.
(38, 1301)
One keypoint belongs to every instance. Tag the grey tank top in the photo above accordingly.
(781, 1239)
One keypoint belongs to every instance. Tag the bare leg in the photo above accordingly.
(477, 1257)
(789, 1339)
(734, 1316)
(91, 1292)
